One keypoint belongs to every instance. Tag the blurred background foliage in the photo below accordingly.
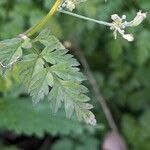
(122, 71)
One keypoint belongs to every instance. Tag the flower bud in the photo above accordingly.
(138, 19)
(128, 37)
(70, 5)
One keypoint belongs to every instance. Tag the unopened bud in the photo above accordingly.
(128, 37)
(138, 19)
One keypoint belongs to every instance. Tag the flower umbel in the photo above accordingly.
(119, 25)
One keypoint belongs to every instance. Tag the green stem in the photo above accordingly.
(85, 18)
(42, 23)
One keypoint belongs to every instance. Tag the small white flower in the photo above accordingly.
(123, 17)
(118, 25)
(116, 19)
(138, 19)
(128, 37)
(70, 4)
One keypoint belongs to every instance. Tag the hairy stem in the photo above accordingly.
(41, 24)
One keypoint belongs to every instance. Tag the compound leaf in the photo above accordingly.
(50, 71)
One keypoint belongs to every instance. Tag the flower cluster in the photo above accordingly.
(70, 4)
(119, 25)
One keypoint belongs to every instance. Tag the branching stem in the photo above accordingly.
(42, 23)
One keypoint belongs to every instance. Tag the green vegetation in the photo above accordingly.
(121, 69)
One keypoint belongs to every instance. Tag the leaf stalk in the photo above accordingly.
(42, 23)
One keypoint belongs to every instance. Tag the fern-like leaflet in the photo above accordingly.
(48, 71)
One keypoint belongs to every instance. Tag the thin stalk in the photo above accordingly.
(41, 24)
(96, 90)
(85, 18)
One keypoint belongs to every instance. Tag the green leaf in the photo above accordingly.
(40, 83)
(50, 71)
(29, 66)
(55, 97)
(10, 50)
(67, 72)
(141, 130)
(37, 120)
(54, 51)
(73, 98)
(85, 142)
